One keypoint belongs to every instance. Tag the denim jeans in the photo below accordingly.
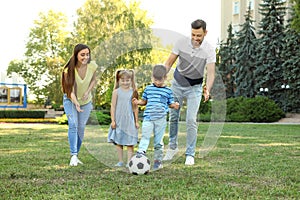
(158, 127)
(76, 123)
(193, 96)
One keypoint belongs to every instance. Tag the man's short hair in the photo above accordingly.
(199, 23)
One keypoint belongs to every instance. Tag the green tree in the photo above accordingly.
(226, 59)
(269, 72)
(246, 58)
(119, 35)
(291, 65)
(296, 18)
(45, 54)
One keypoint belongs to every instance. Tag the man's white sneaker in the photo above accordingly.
(189, 160)
(170, 154)
(74, 160)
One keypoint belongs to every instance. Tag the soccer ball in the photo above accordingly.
(139, 164)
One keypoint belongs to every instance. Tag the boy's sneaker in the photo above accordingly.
(170, 154)
(141, 153)
(189, 160)
(157, 165)
(74, 160)
(119, 164)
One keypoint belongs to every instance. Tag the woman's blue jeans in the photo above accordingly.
(193, 96)
(76, 123)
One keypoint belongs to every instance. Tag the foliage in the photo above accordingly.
(269, 60)
(96, 117)
(245, 64)
(241, 109)
(22, 114)
(46, 52)
(291, 72)
(226, 67)
(249, 161)
(296, 18)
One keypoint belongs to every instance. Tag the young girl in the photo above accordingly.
(124, 115)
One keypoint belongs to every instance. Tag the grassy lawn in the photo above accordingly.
(249, 161)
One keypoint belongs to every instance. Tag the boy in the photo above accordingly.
(157, 98)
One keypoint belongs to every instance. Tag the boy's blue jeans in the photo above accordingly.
(157, 127)
(193, 96)
(76, 123)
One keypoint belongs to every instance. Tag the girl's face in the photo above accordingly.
(125, 82)
(83, 56)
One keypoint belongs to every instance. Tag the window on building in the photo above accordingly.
(236, 7)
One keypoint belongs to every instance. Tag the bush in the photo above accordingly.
(241, 109)
(22, 114)
(96, 117)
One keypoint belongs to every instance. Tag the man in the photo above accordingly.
(195, 54)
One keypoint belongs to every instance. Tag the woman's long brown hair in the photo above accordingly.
(68, 78)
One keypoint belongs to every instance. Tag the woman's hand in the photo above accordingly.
(78, 107)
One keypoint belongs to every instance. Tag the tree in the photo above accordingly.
(246, 58)
(45, 54)
(291, 65)
(295, 24)
(119, 36)
(226, 58)
(269, 71)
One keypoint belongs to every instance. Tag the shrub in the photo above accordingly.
(22, 114)
(241, 109)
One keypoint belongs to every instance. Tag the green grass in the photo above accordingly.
(250, 161)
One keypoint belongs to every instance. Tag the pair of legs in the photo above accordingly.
(193, 96)
(120, 153)
(157, 127)
(76, 122)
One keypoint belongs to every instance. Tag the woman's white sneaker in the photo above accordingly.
(74, 160)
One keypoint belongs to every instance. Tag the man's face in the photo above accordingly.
(198, 36)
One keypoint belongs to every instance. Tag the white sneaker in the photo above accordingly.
(170, 154)
(74, 160)
(189, 160)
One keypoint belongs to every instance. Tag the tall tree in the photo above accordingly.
(119, 36)
(45, 54)
(269, 72)
(291, 65)
(226, 58)
(246, 58)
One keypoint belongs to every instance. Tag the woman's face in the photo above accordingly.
(83, 56)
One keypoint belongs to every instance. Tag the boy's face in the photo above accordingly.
(159, 83)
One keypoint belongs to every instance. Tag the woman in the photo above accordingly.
(78, 79)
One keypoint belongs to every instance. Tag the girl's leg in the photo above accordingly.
(129, 153)
(120, 153)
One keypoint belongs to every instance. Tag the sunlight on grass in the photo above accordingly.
(237, 137)
(276, 144)
(15, 151)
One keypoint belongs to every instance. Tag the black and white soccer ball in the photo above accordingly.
(139, 164)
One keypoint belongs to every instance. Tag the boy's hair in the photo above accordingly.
(199, 23)
(159, 72)
(128, 73)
